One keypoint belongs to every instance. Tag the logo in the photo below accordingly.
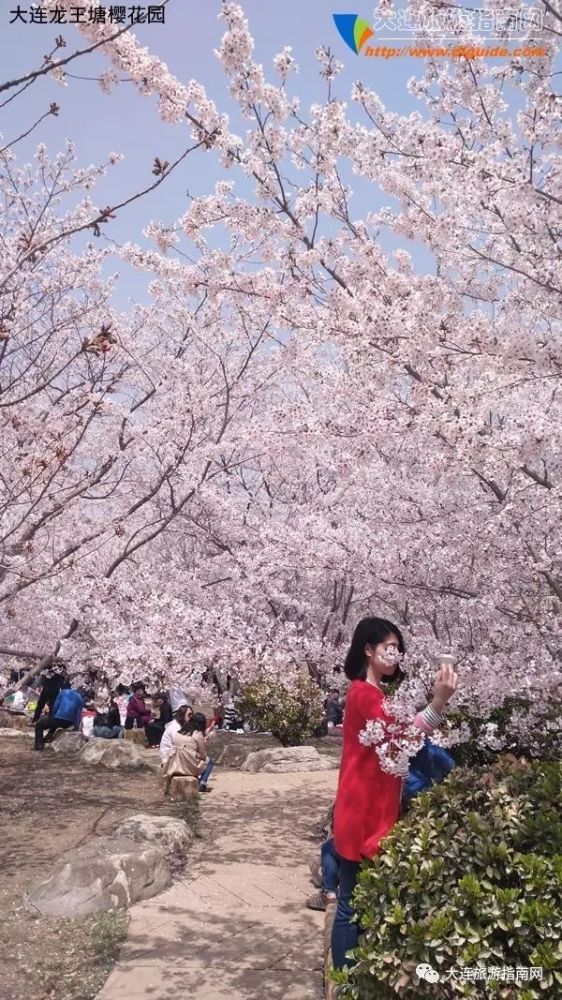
(440, 29)
(426, 972)
(354, 30)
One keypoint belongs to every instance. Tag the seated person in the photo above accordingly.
(231, 719)
(188, 756)
(197, 726)
(17, 701)
(67, 712)
(155, 728)
(334, 709)
(183, 713)
(137, 710)
(89, 717)
(107, 725)
(121, 697)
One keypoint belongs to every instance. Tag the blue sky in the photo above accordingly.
(129, 124)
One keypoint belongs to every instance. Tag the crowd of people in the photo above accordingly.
(167, 720)
(369, 798)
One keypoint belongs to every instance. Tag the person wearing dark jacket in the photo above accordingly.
(107, 725)
(67, 712)
(155, 728)
(50, 687)
(333, 708)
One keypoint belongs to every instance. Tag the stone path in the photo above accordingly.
(236, 926)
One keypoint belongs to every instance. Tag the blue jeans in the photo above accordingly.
(108, 732)
(203, 778)
(345, 934)
(330, 864)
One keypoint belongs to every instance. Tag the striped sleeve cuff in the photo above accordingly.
(432, 717)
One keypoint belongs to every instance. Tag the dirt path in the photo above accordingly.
(50, 803)
(236, 926)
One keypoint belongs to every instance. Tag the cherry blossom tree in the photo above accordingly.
(303, 427)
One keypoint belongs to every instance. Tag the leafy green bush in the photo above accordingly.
(292, 713)
(471, 878)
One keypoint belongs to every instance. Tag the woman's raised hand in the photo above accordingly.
(444, 686)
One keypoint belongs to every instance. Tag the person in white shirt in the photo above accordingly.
(181, 716)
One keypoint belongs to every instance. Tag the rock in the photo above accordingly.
(13, 720)
(104, 874)
(288, 759)
(230, 750)
(68, 742)
(15, 732)
(135, 736)
(114, 754)
(173, 836)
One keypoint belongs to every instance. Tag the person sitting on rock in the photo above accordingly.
(334, 709)
(108, 724)
(155, 728)
(184, 760)
(188, 756)
(121, 697)
(197, 727)
(181, 716)
(67, 712)
(231, 719)
(137, 710)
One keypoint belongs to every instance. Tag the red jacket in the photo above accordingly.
(368, 799)
(136, 709)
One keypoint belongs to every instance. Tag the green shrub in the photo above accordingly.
(291, 714)
(471, 878)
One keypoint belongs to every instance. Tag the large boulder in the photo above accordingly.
(15, 720)
(117, 755)
(68, 742)
(105, 874)
(230, 750)
(288, 759)
(13, 732)
(173, 836)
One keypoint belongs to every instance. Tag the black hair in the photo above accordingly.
(121, 689)
(197, 724)
(371, 631)
(181, 712)
(137, 686)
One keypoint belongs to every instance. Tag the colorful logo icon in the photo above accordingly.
(354, 30)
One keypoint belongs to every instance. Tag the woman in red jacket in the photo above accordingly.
(136, 708)
(368, 798)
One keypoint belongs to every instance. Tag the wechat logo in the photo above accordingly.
(425, 971)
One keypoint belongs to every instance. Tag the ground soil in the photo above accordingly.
(51, 803)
